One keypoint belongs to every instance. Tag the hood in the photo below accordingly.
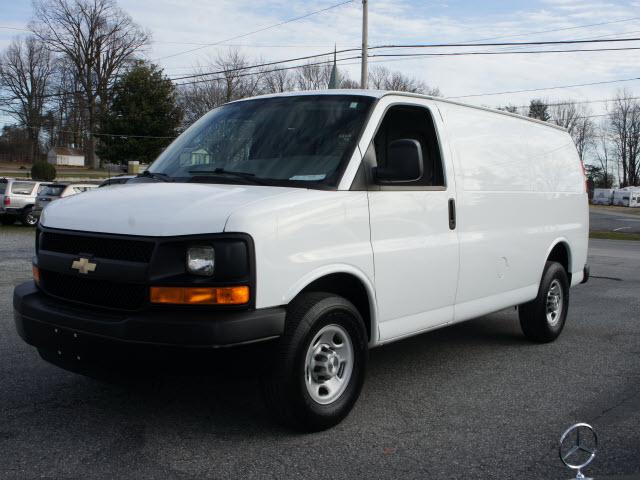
(154, 209)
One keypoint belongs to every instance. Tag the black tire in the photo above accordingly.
(536, 325)
(285, 389)
(27, 218)
(7, 219)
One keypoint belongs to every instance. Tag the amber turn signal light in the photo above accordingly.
(200, 295)
(36, 274)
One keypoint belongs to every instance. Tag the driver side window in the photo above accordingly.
(414, 123)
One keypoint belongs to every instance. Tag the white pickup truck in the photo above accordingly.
(326, 223)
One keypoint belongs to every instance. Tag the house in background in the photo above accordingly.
(66, 156)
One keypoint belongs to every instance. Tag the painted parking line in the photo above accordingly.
(621, 228)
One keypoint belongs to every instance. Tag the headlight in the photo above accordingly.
(201, 261)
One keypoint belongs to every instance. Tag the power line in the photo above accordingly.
(502, 52)
(290, 20)
(546, 88)
(346, 50)
(558, 29)
(505, 44)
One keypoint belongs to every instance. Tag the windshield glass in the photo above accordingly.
(54, 190)
(22, 188)
(298, 141)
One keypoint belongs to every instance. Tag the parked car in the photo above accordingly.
(120, 179)
(267, 219)
(17, 200)
(56, 191)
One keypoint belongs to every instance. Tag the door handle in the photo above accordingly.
(452, 214)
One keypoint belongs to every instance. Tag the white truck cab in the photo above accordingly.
(325, 222)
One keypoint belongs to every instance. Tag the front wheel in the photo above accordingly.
(320, 364)
(543, 318)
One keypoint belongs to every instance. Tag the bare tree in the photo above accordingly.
(26, 68)
(603, 156)
(98, 39)
(313, 77)
(624, 130)
(277, 80)
(576, 119)
(65, 119)
(381, 78)
(220, 81)
(235, 81)
(509, 108)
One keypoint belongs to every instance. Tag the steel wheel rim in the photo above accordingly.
(328, 364)
(555, 302)
(31, 219)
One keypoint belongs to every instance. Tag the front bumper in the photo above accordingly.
(49, 324)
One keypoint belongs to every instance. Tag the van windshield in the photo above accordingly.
(294, 141)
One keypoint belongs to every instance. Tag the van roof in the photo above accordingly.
(377, 94)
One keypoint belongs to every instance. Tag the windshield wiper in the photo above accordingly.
(221, 172)
(163, 177)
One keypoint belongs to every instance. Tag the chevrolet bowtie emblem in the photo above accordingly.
(83, 265)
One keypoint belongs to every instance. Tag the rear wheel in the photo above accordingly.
(28, 218)
(320, 363)
(543, 319)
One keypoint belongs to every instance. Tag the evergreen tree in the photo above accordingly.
(142, 116)
(539, 109)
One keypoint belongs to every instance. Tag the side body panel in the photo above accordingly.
(521, 191)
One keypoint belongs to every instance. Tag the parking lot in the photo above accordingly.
(615, 220)
(470, 401)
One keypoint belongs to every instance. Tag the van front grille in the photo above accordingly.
(102, 293)
(100, 247)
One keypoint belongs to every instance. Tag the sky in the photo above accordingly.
(179, 25)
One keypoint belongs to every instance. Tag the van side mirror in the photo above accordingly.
(404, 163)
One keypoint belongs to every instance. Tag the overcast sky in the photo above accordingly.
(179, 25)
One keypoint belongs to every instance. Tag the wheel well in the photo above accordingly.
(349, 287)
(560, 254)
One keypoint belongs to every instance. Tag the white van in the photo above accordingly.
(602, 196)
(627, 197)
(328, 222)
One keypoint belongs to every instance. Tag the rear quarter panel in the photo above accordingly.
(520, 191)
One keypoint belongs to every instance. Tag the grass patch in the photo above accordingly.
(611, 208)
(615, 235)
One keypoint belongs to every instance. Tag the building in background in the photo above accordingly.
(66, 156)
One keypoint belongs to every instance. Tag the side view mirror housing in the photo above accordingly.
(405, 163)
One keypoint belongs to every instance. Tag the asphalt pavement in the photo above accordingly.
(604, 220)
(474, 400)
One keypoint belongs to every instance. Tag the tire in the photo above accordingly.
(27, 218)
(7, 219)
(333, 324)
(543, 319)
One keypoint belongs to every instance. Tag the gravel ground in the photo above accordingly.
(470, 401)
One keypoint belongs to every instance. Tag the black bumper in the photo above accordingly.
(47, 323)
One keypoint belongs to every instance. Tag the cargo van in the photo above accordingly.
(602, 196)
(627, 197)
(320, 223)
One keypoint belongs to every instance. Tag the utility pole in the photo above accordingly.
(365, 34)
